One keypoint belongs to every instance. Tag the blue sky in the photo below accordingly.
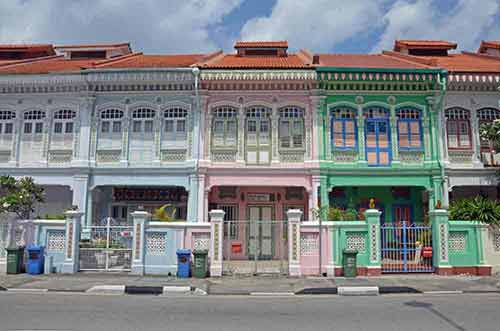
(180, 26)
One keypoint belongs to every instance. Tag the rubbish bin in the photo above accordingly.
(35, 260)
(200, 263)
(350, 263)
(183, 263)
(15, 260)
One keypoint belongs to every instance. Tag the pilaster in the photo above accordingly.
(361, 137)
(125, 140)
(71, 263)
(393, 120)
(16, 143)
(440, 231)
(216, 241)
(80, 192)
(274, 136)
(140, 218)
(82, 150)
(372, 217)
(294, 216)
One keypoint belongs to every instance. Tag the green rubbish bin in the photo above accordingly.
(200, 264)
(350, 263)
(15, 260)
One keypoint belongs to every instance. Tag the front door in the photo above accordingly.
(378, 142)
(260, 232)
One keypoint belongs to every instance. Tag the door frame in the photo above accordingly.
(247, 232)
(377, 149)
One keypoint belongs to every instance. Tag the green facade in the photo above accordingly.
(348, 178)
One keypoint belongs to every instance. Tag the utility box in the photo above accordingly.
(15, 260)
(35, 260)
(200, 263)
(350, 264)
(183, 263)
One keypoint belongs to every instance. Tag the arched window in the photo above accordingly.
(63, 127)
(110, 136)
(6, 129)
(291, 127)
(343, 128)
(378, 148)
(142, 120)
(175, 126)
(258, 134)
(224, 127)
(409, 128)
(487, 115)
(32, 137)
(458, 128)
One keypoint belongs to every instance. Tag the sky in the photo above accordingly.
(192, 26)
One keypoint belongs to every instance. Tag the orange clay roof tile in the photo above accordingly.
(152, 61)
(428, 44)
(233, 61)
(372, 61)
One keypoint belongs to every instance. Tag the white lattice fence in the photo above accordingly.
(309, 244)
(200, 241)
(156, 243)
(356, 241)
(55, 241)
(457, 242)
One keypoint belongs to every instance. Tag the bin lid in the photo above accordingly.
(181, 251)
(350, 251)
(33, 248)
(200, 252)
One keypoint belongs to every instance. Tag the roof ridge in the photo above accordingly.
(93, 45)
(214, 57)
(402, 59)
(33, 60)
(411, 58)
(100, 63)
(305, 55)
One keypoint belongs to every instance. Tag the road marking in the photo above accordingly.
(443, 292)
(272, 293)
(27, 290)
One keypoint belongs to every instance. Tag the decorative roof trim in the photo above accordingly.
(258, 75)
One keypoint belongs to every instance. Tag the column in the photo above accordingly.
(361, 137)
(437, 187)
(483, 269)
(192, 208)
(372, 217)
(140, 218)
(316, 115)
(202, 139)
(314, 205)
(240, 156)
(476, 143)
(274, 135)
(47, 126)
(325, 201)
(16, 143)
(394, 137)
(125, 140)
(80, 191)
(207, 138)
(82, 149)
(439, 221)
(216, 242)
(201, 207)
(431, 103)
(294, 216)
(71, 263)
(94, 124)
(157, 138)
(426, 137)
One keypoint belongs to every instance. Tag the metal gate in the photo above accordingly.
(106, 247)
(406, 248)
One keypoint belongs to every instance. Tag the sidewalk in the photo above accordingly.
(82, 282)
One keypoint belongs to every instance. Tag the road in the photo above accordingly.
(51, 311)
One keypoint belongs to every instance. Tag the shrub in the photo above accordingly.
(476, 209)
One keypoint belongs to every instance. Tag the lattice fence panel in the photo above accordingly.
(309, 244)
(457, 242)
(156, 243)
(56, 241)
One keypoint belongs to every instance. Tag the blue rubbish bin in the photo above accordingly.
(183, 263)
(35, 260)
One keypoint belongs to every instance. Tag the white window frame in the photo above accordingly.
(7, 129)
(226, 118)
(173, 119)
(111, 128)
(295, 137)
(65, 120)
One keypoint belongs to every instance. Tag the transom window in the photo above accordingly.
(376, 112)
(6, 122)
(175, 124)
(33, 122)
(258, 112)
(142, 120)
(458, 128)
(224, 127)
(343, 128)
(291, 127)
(111, 121)
(63, 121)
(409, 129)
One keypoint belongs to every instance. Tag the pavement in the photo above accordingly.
(252, 285)
(73, 311)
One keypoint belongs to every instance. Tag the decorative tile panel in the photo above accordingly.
(460, 156)
(496, 242)
(60, 157)
(309, 244)
(200, 241)
(288, 157)
(443, 242)
(345, 156)
(156, 243)
(411, 157)
(373, 243)
(56, 241)
(457, 242)
(178, 155)
(108, 156)
(220, 156)
(356, 241)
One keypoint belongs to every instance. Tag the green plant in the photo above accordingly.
(335, 214)
(350, 215)
(479, 209)
(19, 196)
(491, 133)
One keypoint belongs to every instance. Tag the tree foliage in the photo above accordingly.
(19, 196)
(476, 209)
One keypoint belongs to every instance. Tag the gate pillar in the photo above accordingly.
(140, 218)
(294, 216)
(72, 248)
(439, 222)
(372, 217)
(216, 241)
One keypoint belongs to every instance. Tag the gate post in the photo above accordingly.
(294, 216)
(372, 217)
(439, 222)
(216, 242)
(140, 218)
(72, 248)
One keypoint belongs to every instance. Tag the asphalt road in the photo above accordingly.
(49, 311)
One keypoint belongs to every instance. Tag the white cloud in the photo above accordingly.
(465, 23)
(151, 25)
(314, 24)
